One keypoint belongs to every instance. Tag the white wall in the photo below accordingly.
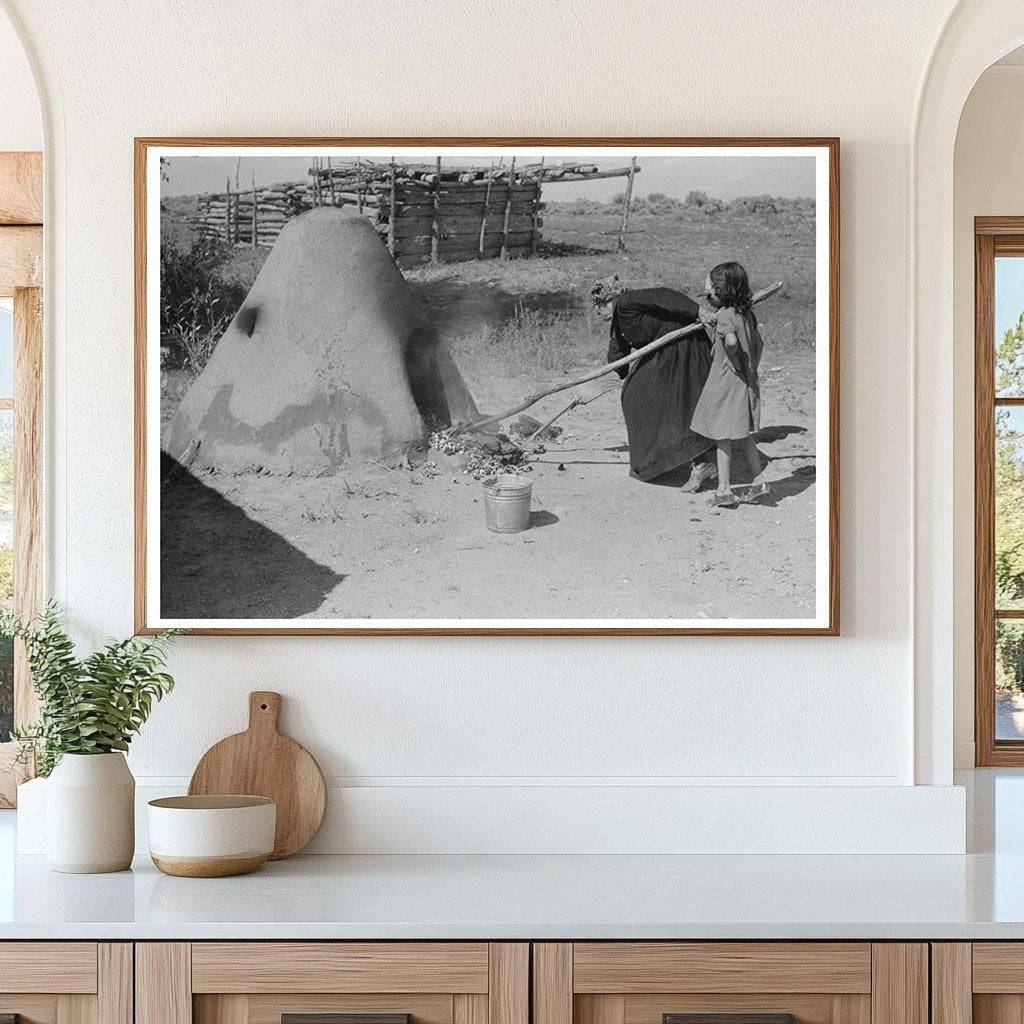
(443, 713)
(21, 125)
(988, 181)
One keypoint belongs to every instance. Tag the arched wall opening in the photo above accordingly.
(975, 35)
(986, 182)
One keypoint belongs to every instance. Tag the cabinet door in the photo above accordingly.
(980, 982)
(748, 982)
(66, 982)
(332, 983)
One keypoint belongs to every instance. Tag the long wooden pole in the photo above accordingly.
(665, 339)
(577, 401)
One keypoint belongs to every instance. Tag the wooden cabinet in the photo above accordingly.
(259, 982)
(494, 983)
(66, 982)
(815, 982)
(979, 982)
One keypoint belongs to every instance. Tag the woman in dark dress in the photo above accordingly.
(660, 391)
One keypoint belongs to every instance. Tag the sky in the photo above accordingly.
(6, 349)
(721, 177)
(1009, 293)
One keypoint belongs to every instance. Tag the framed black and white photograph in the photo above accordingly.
(490, 386)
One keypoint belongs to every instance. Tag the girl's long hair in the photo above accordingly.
(732, 287)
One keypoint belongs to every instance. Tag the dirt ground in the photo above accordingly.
(379, 543)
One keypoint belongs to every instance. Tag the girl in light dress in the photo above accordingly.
(729, 408)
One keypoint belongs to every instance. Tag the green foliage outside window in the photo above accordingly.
(1009, 507)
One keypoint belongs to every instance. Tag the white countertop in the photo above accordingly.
(532, 897)
(977, 896)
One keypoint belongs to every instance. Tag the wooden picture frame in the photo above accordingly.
(148, 150)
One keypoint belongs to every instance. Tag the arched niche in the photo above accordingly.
(976, 34)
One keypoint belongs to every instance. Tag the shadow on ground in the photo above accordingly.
(766, 435)
(542, 518)
(217, 563)
(795, 482)
(554, 249)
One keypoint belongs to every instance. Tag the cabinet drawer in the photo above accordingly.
(751, 982)
(998, 967)
(261, 982)
(66, 982)
(340, 967)
(48, 967)
(635, 967)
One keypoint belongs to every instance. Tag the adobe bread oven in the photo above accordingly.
(328, 358)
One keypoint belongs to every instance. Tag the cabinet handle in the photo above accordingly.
(337, 1018)
(728, 1018)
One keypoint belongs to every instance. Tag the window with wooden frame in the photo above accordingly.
(999, 491)
(21, 366)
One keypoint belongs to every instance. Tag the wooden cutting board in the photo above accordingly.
(262, 762)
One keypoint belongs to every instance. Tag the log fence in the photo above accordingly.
(425, 213)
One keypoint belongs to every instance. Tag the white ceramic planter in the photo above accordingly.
(90, 814)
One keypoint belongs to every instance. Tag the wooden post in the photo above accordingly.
(508, 209)
(391, 216)
(626, 205)
(435, 227)
(255, 214)
(359, 184)
(330, 182)
(487, 200)
(237, 229)
(227, 211)
(535, 234)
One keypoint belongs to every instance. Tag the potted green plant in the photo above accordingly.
(89, 710)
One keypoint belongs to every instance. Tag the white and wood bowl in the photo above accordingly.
(211, 836)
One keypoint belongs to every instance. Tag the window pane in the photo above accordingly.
(1009, 323)
(6, 567)
(1009, 679)
(6, 348)
(1009, 533)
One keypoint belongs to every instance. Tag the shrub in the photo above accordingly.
(660, 204)
(756, 204)
(702, 201)
(581, 207)
(196, 303)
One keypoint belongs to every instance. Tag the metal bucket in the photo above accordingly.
(507, 503)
